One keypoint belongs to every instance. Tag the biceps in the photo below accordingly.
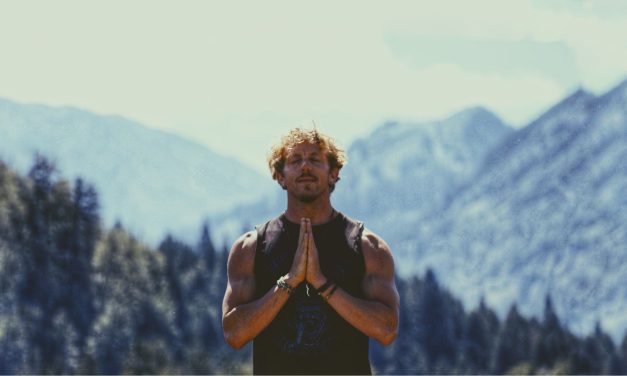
(239, 291)
(381, 289)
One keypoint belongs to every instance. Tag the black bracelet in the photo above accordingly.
(324, 287)
(331, 293)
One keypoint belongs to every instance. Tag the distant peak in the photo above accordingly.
(579, 96)
(472, 116)
(390, 124)
(472, 112)
(581, 93)
(477, 110)
(384, 128)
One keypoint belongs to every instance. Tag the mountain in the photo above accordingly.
(404, 172)
(152, 181)
(545, 214)
(396, 175)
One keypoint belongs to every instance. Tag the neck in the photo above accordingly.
(318, 212)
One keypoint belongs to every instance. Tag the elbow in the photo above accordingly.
(388, 332)
(232, 336)
(236, 342)
(388, 337)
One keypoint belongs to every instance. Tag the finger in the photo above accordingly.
(303, 230)
(310, 240)
(306, 240)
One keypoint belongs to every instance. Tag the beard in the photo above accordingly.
(307, 198)
(308, 194)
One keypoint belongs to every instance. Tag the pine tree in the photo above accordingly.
(481, 331)
(623, 355)
(206, 247)
(435, 325)
(513, 344)
(179, 260)
(554, 343)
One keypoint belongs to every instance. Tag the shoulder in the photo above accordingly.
(371, 242)
(243, 249)
(246, 242)
(376, 252)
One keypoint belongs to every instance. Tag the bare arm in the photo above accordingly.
(377, 315)
(243, 318)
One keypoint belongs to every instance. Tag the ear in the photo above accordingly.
(281, 180)
(334, 174)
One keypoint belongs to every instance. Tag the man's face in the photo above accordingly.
(306, 174)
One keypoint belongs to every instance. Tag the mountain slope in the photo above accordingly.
(405, 171)
(546, 214)
(150, 180)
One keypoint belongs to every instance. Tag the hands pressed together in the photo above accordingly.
(306, 265)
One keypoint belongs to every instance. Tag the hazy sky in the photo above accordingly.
(236, 75)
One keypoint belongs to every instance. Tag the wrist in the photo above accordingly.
(319, 282)
(292, 280)
(326, 297)
(282, 284)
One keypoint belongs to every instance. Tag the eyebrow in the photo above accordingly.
(297, 154)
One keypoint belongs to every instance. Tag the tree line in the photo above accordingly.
(77, 298)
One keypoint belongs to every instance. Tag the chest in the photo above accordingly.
(338, 260)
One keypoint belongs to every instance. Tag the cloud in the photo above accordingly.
(197, 67)
(552, 60)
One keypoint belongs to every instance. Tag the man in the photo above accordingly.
(310, 286)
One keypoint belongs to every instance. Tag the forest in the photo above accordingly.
(79, 298)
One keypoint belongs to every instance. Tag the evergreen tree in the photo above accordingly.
(435, 326)
(623, 355)
(404, 355)
(42, 289)
(179, 259)
(132, 301)
(481, 330)
(601, 349)
(513, 343)
(554, 343)
(75, 299)
(206, 247)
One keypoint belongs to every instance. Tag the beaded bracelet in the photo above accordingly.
(283, 285)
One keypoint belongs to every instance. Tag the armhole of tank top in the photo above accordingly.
(357, 241)
(262, 231)
(354, 233)
(261, 237)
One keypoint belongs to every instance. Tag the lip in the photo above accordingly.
(305, 180)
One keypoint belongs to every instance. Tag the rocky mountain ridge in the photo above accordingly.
(152, 181)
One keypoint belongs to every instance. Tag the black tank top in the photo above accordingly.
(308, 336)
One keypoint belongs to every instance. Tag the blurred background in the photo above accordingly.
(486, 143)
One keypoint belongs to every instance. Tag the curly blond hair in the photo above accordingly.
(276, 158)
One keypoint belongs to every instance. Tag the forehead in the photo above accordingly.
(302, 149)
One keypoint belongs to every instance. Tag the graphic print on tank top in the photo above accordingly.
(306, 327)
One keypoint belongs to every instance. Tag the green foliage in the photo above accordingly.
(77, 299)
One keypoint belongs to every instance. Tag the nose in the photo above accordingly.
(305, 165)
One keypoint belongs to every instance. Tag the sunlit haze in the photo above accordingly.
(235, 76)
